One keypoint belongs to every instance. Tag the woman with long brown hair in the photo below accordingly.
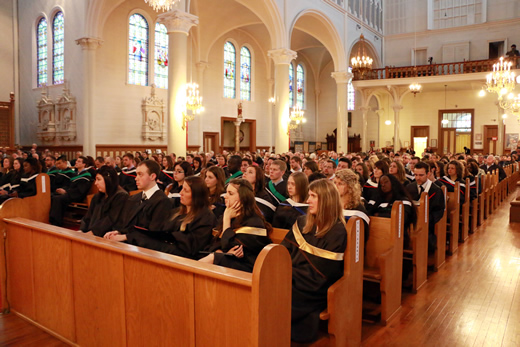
(288, 211)
(255, 175)
(317, 244)
(215, 179)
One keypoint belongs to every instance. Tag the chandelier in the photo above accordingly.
(515, 107)
(415, 88)
(362, 63)
(297, 115)
(161, 5)
(501, 80)
(193, 104)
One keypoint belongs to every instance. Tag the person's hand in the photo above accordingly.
(237, 251)
(3, 192)
(233, 210)
(118, 237)
(110, 234)
(61, 191)
(89, 232)
(14, 194)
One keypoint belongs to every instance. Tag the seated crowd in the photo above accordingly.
(221, 209)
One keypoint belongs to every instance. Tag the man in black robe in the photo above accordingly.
(490, 165)
(128, 173)
(277, 186)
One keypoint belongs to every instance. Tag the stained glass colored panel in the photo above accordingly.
(41, 52)
(351, 94)
(245, 74)
(229, 70)
(58, 48)
(161, 56)
(138, 51)
(300, 85)
(291, 79)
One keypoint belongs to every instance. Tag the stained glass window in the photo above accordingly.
(161, 56)
(58, 48)
(229, 70)
(291, 78)
(245, 74)
(300, 85)
(351, 94)
(138, 51)
(41, 52)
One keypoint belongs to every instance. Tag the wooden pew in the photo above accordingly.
(439, 257)
(345, 297)
(464, 217)
(452, 226)
(384, 260)
(482, 200)
(474, 210)
(34, 207)
(491, 193)
(418, 255)
(487, 195)
(496, 195)
(90, 291)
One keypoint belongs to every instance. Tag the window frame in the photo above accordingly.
(151, 38)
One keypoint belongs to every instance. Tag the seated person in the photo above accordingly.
(106, 206)
(243, 232)
(186, 233)
(277, 186)
(148, 210)
(76, 192)
(455, 171)
(349, 189)
(31, 169)
(370, 190)
(128, 173)
(7, 171)
(397, 169)
(181, 170)
(264, 201)
(215, 178)
(288, 211)
(166, 175)
(63, 176)
(12, 179)
(234, 164)
(317, 244)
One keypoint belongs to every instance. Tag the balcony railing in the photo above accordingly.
(464, 67)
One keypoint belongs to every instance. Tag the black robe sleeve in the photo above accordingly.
(104, 214)
(286, 215)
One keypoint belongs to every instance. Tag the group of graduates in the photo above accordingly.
(221, 209)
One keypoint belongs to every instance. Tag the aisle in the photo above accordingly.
(474, 300)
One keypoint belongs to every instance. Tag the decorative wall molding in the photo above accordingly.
(46, 117)
(153, 117)
(66, 115)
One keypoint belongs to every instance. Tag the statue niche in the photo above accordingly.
(66, 115)
(46, 122)
(153, 117)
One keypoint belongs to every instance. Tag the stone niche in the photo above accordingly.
(46, 121)
(153, 117)
(66, 115)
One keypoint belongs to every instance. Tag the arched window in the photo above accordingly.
(58, 48)
(245, 74)
(161, 56)
(138, 50)
(291, 79)
(229, 70)
(351, 95)
(41, 52)
(300, 85)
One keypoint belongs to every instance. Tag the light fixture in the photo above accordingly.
(361, 63)
(388, 122)
(415, 88)
(514, 108)
(193, 99)
(502, 80)
(504, 116)
(272, 100)
(297, 115)
(482, 93)
(161, 5)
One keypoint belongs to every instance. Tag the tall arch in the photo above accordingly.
(371, 50)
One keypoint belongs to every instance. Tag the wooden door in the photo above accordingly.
(490, 139)
(211, 142)
(448, 140)
(420, 131)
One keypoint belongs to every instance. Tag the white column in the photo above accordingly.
(282, 58)
(397, 109)
(342, 78)
(178, 24)
(89, 46)
(270, 84)
(500, 137)
(317, 93)
(364, 132)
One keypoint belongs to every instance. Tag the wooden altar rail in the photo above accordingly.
(94, 292)
(456, 68)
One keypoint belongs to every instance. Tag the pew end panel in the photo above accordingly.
(439, 257)
(464, 218)
(452, 226)
(419, 241)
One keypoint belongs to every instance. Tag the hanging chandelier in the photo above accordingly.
(515, 107)
(161, 5)
(193, 104)
(297, 115)
(361, 63)
(415, 88)
(502, 80)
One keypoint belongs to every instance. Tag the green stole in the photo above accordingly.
(235, 175)
(275, 192)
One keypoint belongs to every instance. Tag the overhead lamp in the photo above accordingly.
(388, 122)
(361, 63)
(502, 80)
(161, 5)
(482, 93)
(415, 88)
(297, 115)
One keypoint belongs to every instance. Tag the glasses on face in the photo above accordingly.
(179, 172)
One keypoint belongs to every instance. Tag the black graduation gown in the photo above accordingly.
(316, 264)
(450, 187)
(175, 196)
(361, 212)
(287, 212)
(27, 186)
(104, 213)
(278, 192)
(252, 234)
(473, 189)
(127, 179)
(5, 180)
(266, 204)
(150, 214)
(76, 192)
(166, 177)
(370, 194)
(185, 243)
(219, 206)
(62, 179)
(501, 173)
(384, 209)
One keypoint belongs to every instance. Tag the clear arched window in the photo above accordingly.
(229, 70)
(291, 79)
(41, 52)
(161, 56)
(58, 48)
(300, 85)
(245, 74)
(138, 50)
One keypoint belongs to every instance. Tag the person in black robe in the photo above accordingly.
(455, 172)
(316, 243)
(63, 176)
(32, 169)
(215, 178)
(12, 180)
(233, 165)
(181, 170)
(288, 211)
(370, 192)
(128, 173)
(277, 186)
(490, 166)
(106, 206)
(189, 231)
(166, 175)
(264, 201)
(243, 232)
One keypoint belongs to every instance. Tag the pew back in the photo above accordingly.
(439, 257)
(419, 240)
(454, 218)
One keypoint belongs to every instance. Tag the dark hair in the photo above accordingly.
(186, 167)
(100, 159)
(111, 179)
(90, 161)
(365, 171)
(297, 159)
(423, 165)
(35, 164)
(129, 156)
(170, 162)
(152, 166)
(334, 165)
(473, 168)
(220, 175)
(259, 179)
(346, 160)
(199, 199)
(62, 158)
(383, 166)
(301, 184)
(198, 160)
(312, 165)
(440, 165)
(249, 161)
(398, 193)
(458, 167)
(84, 160)
(316, 176)
(234, 163)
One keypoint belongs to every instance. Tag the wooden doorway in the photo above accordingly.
(211, 143)
(491, 138)
(417, 136)
(248, 134)
(456, 128)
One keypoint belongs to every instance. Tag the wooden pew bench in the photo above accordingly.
(91, 291)
(418, 254)
(465, 214)
(384, 262)
(439, 257)
(344, 298)
(452, 225)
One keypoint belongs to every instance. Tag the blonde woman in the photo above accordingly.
(316, 243)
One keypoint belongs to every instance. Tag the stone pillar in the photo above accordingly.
(397, 109)
(317, 93)
(237, 135)
(178, 24)
(89, 46)
(500, 137)
(282, 58)
(364, 132)
(342, 78)
(270, 85)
